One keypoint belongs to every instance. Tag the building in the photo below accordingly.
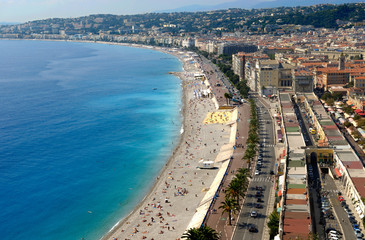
(239, 63)
(274, 74)
(230, 48)
(331, 76)
(302, 80)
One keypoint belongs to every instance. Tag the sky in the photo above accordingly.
(28, 10)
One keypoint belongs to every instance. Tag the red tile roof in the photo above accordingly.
(360, 185)
(352, 164)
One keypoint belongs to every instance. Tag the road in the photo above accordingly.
(264, 180)
(317, 190)
(343, 222)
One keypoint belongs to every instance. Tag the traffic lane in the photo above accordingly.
(251, 199)
(242, 230)
(336, 206)
(262, 180)
(314, 196)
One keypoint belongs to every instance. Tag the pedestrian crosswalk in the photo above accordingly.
(261, 179)
(269, 145)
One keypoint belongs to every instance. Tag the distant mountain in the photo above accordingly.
(9, 23)
(248, 4)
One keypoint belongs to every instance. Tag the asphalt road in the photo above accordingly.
(263, 180)
(344, 223)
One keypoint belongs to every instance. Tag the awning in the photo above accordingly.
(349, 103)
(354, 107)
(362, 114)
(358, 110)
(358, 210)
(338, 173)
(280, 193)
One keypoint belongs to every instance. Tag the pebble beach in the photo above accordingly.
(181, 188)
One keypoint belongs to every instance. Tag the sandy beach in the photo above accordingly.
(169, 207)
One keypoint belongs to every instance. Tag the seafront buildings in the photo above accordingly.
(294, 64)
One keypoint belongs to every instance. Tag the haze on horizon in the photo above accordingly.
(29, 10)
(20, 11)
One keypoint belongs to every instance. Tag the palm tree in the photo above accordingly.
(227, 96)
(202, 233)
(236, 190)
(230, 206)
(242, 176)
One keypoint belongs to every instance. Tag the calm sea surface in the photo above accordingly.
(82, 135)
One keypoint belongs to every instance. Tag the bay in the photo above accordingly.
(83, 134)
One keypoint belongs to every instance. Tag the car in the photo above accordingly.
(257, 172)
(259, 163)
(343, 204)
(253, 228)
(260, 200)
(333, 235)
(356, 227)
(334, 231)
(358, 233)
(259, 188)
(253, 214)
(271, 172)
(258, 205)
(333, 238)
(259, 194)
(341, 199)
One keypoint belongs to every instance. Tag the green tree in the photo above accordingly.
(326, 96)
(228, 97)
(330, 101)
(202, 233)
(236, 189)
(273, 223)
(229, 206)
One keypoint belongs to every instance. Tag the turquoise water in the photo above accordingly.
(82, 134)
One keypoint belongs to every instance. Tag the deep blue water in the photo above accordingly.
(82, 134)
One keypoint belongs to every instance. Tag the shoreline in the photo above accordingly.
(134, 220)
(122, 221)
(183, 161)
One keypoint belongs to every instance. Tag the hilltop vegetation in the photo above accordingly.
(192, 23)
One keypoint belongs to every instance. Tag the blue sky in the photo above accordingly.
(27, 10)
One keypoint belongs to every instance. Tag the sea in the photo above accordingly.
(85, 129)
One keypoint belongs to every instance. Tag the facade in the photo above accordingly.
(238, 64)
(359, 82)
(302, 81)
(232, 48)
(334, 77)
(274, 74)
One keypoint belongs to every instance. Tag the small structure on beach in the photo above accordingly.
(206, 164)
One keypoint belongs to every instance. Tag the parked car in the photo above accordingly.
(358, 233)
(341, 199)
(257, 172)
